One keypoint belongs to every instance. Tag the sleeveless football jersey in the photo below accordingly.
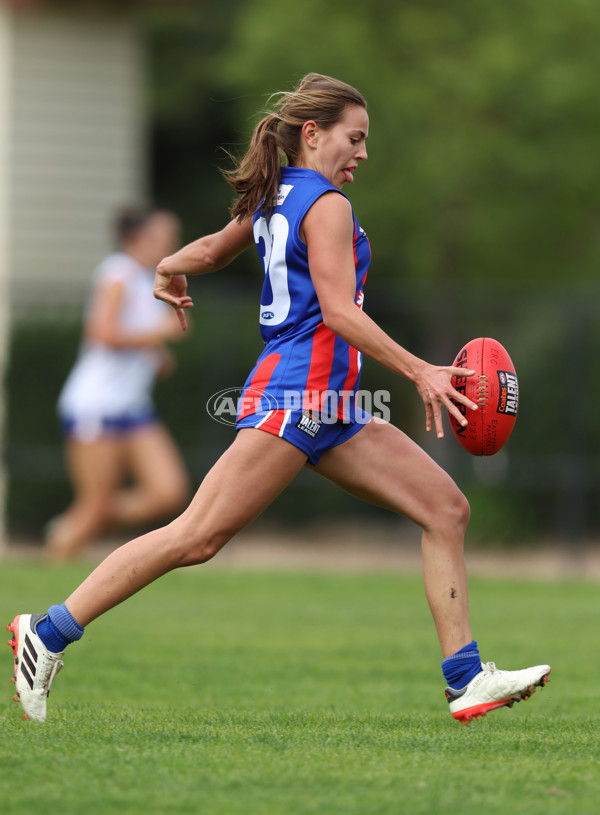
(116, 382)
(304, 364)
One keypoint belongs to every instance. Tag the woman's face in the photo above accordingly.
(335, 152)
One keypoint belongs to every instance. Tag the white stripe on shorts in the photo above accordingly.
(264, 419)
(285, 421)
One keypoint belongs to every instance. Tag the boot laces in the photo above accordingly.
(56, 667)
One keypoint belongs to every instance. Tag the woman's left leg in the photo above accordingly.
(384, 466)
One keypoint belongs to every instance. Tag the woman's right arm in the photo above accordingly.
(210, 253)
(207, 254)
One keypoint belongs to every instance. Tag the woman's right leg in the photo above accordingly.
(243, 482)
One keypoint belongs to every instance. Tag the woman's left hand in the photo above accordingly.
(434, 385)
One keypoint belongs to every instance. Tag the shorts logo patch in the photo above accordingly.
(309, 425)
(508, 399)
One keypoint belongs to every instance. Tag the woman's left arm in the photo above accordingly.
(327, 230)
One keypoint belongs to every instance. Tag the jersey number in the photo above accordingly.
(274, 237)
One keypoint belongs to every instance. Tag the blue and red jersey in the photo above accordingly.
(303, 359)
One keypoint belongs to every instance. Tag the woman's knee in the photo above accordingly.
(462, 510)
(194, 546)
(448, 514)
(454, 512)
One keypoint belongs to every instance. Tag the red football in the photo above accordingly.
(495, 388)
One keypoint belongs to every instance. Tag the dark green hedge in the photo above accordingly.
(544, 483)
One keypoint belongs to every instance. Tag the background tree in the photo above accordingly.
(480, 198)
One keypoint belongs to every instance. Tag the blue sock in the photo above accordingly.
(59, 629)
(462, 666)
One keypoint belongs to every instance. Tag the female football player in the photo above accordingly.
(315, 258)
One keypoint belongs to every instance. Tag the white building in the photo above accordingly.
(72, 148)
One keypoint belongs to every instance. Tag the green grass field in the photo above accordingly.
(282, 694)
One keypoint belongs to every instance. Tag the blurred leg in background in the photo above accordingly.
(161, 485)
(98, 469)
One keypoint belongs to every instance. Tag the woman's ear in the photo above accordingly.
(310, 131)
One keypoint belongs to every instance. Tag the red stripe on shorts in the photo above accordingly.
(274, 422)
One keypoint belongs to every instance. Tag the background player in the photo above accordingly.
(111, 428)
(315, 258)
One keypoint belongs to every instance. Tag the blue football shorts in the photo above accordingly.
(305, 430)
(90, 427)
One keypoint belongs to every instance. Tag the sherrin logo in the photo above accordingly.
(462, 361)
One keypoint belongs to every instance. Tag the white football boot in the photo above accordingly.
(35, 666)
(492, 688)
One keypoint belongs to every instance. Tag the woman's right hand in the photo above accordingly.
(172, 289)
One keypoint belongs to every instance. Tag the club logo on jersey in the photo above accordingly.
(508, 399)
(282, 193)
(309, 424)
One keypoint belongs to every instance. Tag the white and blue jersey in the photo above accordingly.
(109, 390)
